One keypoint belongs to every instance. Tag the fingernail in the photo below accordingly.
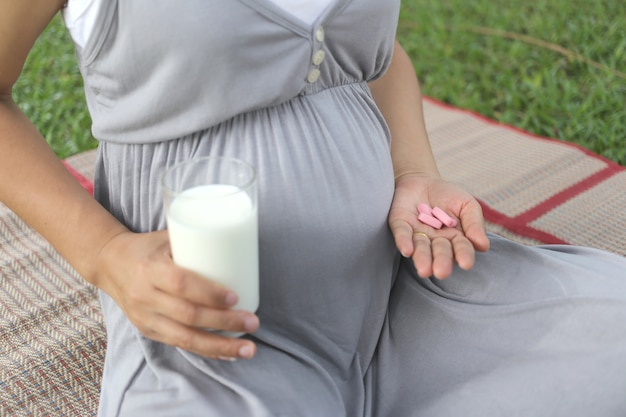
(250, 323)
(245, 352)
(231, 298)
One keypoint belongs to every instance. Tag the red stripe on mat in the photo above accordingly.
(566, 195)
(517, 227)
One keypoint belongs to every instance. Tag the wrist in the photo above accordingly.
(433, 175)
(112, 248)
(406, 164)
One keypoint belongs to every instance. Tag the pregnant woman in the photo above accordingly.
(364, 310)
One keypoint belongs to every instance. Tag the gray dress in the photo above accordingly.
(347, 329)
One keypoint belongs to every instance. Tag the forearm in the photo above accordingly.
(399, 98)
(36, 186)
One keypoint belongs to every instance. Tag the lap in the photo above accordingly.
(535, 331)
(274, 383)
(527, 331)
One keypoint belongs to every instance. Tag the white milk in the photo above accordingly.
(213, 231)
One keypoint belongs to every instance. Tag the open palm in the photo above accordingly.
(434, 251)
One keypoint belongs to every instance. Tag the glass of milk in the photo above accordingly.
(211, 208)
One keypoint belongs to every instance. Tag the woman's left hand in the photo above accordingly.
(435, 251)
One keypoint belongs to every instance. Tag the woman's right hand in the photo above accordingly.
(170, 304)
(165, 302)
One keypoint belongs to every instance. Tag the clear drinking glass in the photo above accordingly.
(211, 208)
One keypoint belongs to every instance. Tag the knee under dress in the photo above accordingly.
(347, 328)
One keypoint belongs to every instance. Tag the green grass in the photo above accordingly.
(555, 68)
(50, 92)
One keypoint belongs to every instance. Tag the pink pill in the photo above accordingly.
(424, 208)
(443, 216)
(429, 220)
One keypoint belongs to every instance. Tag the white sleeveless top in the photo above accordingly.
(80, 15)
